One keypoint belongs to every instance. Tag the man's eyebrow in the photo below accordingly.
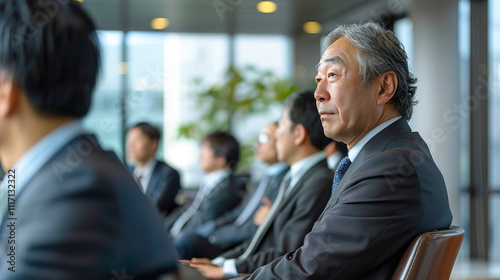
(334, 60)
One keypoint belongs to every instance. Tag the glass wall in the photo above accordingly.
(464, 86)
(164, 71)
(104, 118)
(192, 62)
(494, 128)
(145, 70)
(403, 29)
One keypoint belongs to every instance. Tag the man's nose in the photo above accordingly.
(321, 93)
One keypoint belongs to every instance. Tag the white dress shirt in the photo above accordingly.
(354, 151)
(143, 174)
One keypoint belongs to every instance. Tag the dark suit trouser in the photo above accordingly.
(191, 245)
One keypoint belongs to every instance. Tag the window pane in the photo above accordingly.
(265, 52)
(494, 228)
(494, 128)
(146, 80)
(494, 93)
(189, 58)
(403, 29)
(104, 118)
(464, 56)
(271, 53)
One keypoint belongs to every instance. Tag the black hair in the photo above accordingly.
(152, 132)
(302, 108)
(224, 145)
(49, 48)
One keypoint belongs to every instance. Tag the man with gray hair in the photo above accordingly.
(388, 189)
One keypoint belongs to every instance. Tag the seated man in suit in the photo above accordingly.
(220, 190)
(236, 226)
(388, 189)
(78, 213)
(335, 152)
(158, 181)
(303, 193)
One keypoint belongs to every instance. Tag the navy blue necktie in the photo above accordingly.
(339, 173)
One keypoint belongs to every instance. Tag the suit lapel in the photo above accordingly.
(377, 144)
(154, 178)
(222, 184)
(300, 183)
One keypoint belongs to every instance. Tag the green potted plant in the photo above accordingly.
(242, 93)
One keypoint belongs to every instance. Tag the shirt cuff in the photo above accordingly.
(229, 268)
(219, 261)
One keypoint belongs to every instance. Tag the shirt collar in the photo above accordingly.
(147, 169)
(276, 168)
(334, 159)
(40, 153)
(212, 179)
(298, 169)
(354, 151)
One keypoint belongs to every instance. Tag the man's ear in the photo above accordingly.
(388, 82)
(154, 145)
(220, 162)
(9, 96)
(299, 134)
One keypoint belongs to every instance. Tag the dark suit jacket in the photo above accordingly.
(163, 187)
(222, 198)
(392, 192)
(227, 232)
(294, 220)
(82, 216)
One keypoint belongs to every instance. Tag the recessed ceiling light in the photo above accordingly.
(312, 27)
(159, 23)
(267, 7)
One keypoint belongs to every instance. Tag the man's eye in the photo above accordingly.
(331, 74)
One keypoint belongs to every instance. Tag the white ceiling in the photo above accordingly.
(201, 16)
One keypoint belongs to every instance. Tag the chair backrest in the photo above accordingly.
(431, 255)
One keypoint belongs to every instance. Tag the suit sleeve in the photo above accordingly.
(307, 207)
(374, 218)
(67, 231)
(231, 216)
(166, 203)
(214, 205)
(220, 203)
(232, 234)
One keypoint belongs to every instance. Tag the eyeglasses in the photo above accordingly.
(263, 138)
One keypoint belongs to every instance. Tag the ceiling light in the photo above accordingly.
(81, 1)
(159, 23)
(312, 27)
(266, 7)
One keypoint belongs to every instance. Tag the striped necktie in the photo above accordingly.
(341, 170)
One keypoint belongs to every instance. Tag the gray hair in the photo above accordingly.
(379, 51)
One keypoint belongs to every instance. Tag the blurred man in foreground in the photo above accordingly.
(75, 212)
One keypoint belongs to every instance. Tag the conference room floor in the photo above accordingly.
(475, 270)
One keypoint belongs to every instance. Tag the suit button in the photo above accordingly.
(289, 257)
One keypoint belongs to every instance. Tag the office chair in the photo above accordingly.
(431, 255)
